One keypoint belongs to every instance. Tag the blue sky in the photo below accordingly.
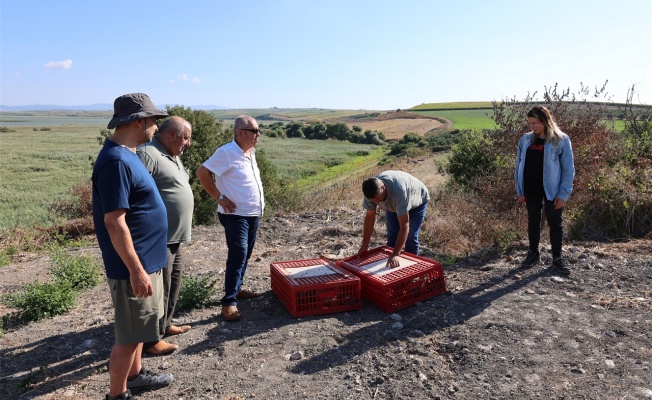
(357, 54)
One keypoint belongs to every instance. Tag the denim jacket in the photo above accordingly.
(558, 167)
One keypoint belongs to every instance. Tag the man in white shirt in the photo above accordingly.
(238, 190)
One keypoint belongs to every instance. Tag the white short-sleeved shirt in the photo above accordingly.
(237, 177)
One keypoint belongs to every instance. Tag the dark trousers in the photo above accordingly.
(534, 204)
(171, 286)
(417, 215)
(240, 239)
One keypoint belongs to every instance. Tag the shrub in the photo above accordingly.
(471, 158)
(459, 222)
(617, 206)
(444, 141)
(5, 129)
(42, 300)
(294, 129)
(78, 205)
(7, 254)
(636, 138)
(80, 272)
(196, 292)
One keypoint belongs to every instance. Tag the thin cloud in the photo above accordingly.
(187, 78)
(67, 64)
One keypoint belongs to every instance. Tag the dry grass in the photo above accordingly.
(460, 223)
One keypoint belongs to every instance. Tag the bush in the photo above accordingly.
(618, 205)
(196, 292)
(78, 205)
(460, 222)
(42, 300)
(444, 141)
(471, 158)
(80, 272)
(636, 138)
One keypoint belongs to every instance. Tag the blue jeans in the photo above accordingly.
(417, 216)
(240, 239)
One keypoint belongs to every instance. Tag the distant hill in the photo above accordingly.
(91, 107)
(50, 107)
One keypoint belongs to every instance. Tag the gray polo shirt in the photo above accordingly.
(172, 181)
(404, 193)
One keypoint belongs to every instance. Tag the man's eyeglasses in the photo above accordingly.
(254, 131)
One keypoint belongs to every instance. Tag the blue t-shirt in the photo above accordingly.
(121, 181)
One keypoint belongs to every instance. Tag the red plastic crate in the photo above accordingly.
(394, 289)
(315, 287)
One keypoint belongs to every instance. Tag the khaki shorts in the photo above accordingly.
(137, 319)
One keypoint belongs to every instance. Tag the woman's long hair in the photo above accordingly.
(553, 133)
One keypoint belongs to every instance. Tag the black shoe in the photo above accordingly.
(124, 396)
(561, 266)
(532, 259)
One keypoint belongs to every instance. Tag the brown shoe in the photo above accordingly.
(177, 330)
(245, 294)
(161, 348)
(230, 313)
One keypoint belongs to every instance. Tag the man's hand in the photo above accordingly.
(227, 205)
(559, 203)
(521, 199)
(141, 285)
(392, 262)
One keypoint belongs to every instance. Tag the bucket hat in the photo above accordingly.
(133, 106)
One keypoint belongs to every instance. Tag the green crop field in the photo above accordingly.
(308, 162)
(41, 166)
(269, 115)
(461, 105)
(465, 119)
(53, 118)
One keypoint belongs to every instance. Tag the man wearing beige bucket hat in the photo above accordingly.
(131, 227)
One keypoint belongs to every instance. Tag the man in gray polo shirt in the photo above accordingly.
(405, 200)
(161, 159)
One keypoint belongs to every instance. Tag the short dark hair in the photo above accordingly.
(371, 187)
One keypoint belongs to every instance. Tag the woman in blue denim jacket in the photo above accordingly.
(544, 178)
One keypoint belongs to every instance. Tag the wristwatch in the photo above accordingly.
(222, 197)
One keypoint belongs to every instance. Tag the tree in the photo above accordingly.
(315, 131)
(373, 137)
(339, 131)
(294, 129)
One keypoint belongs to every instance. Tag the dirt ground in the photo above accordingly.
(499, 332)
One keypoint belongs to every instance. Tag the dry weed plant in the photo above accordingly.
(460, 222)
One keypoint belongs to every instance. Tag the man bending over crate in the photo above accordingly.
(405, 200)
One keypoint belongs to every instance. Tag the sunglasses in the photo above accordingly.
(254, 131)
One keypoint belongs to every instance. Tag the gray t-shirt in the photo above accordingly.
(404, 192)
(172, 181)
